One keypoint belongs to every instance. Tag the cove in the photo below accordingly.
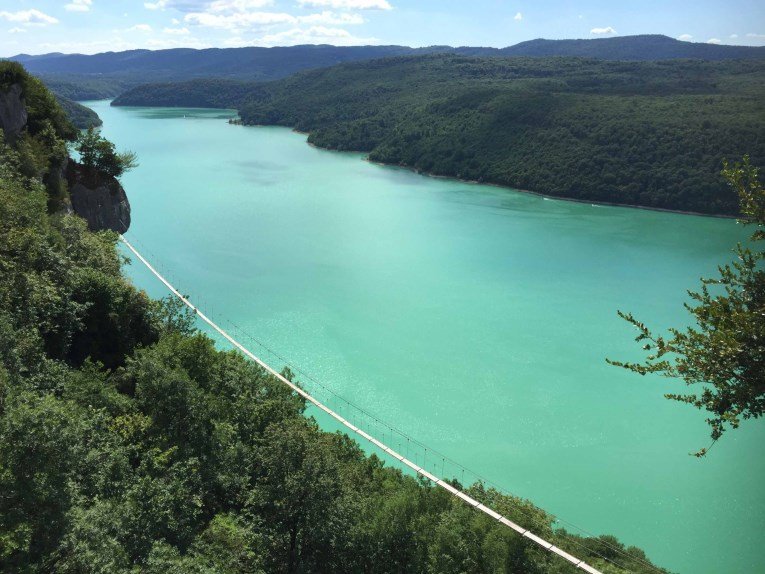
(474, 318)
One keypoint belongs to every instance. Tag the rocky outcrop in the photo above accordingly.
(94, 196)
(13, 113)
(98, 198)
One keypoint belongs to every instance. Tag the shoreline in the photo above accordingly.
(237, 121)
(507, 187)
(541, 194)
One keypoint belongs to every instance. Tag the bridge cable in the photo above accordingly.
(418, 469)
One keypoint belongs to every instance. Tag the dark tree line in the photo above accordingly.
(640, 133)
(81, 116)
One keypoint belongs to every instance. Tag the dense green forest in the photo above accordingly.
(84, 88)
(649, 134)
(129, 443)
(643, 47)
(639, 133)
(81, 117)
(207, 93)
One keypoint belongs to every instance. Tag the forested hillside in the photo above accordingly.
(638, 133)
(85, 87)
(82, 117)
(98, 76)
(639, 48)
(207, 93)
(130, 444)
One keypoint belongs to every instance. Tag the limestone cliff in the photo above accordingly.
(98, 198)
(13, 112)
(95, 196)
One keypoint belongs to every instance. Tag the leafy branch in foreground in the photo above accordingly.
(725, 352)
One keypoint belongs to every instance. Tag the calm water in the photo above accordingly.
(476, 318)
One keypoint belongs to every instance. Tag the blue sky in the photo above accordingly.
(90, 26)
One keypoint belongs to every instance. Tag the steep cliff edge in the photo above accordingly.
(98, 198)
(13, 112)
(93, 195)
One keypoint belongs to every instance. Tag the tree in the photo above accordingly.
(725, 353)
(99, 153)
(304, 498)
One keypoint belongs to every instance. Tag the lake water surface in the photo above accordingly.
(475, 318)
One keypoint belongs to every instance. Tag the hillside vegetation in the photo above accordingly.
(206, 93)
(644, 47)
(638, 133)
(130, 444)
(100, 76)
(81, 117)
(86, 87)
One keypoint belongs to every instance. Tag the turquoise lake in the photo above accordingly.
(474, 318)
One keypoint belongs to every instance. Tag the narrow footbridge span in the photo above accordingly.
(361, 433)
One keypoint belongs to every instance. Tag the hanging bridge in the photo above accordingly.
(356, 430)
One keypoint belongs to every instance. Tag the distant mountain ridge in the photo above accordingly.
(639, 48)
(186, 63)
(133, 67)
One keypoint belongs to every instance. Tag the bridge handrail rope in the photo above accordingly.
(301, 371)
(419, 470)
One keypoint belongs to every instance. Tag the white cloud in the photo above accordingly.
(734, 36)
(685, 37)
(237, 5)
(332, 19)
(603, 31)
(175, 21)
(31, 17)
(139, 28)
(239, 20)
(158, 5)
(185, 42)
(518, 16)
(714, 41)
(78, 6)
(313, 35)
(176, 31)
(188, 6)
(246, 20)
(243, 6)
(115, 43)
(16, 31)
(348, 4)
(236, 42)
(758, 36)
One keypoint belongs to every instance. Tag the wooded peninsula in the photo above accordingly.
(649, 134)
